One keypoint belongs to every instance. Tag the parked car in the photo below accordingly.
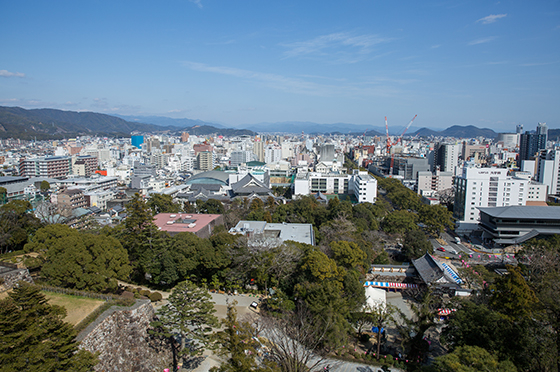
(441, 249)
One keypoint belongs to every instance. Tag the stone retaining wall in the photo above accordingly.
(120, 336)
(10, 277)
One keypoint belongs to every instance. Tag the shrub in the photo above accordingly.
(127, 295)
(145, 292)
(155, 296)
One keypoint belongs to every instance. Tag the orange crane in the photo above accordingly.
(391, 144)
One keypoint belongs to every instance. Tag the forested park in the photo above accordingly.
(313, 304)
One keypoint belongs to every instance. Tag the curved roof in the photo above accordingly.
(210, 177)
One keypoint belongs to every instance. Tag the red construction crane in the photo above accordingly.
(391, 144)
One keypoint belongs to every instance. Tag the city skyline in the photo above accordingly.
(492, 65)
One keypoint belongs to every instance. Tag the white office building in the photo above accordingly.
(360, 184)
(485, 187)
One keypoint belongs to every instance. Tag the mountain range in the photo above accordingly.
(43, 124)
(16, 122)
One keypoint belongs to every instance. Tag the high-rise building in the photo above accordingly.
(486, 187)
(184, 137)
(531, 143)
(258, 149)
(446, 157)
(548, 170)
(205, 160)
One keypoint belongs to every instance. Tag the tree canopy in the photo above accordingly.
(33, 336)
(80, 260)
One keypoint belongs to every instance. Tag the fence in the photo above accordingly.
(74, 292)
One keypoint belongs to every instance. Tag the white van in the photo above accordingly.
(457, 240)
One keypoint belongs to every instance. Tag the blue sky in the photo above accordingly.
(486, 63)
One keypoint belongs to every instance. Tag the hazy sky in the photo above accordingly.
(487, 63)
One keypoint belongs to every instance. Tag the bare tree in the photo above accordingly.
(295, 340)
(50, 213)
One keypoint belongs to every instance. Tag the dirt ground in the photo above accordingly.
(77, 308)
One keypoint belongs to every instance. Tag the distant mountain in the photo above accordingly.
(457, 131)
(553, 134)
(425, 132)
(307, 127)
(205, 130)
(167, 122)
(16, 122)
(43, 124)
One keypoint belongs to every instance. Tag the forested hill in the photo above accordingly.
(41, 124)
(16, 122)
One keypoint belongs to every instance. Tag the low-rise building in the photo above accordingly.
(275, 233)
(201, 225)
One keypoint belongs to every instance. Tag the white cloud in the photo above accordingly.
(343, 45)
(6, 73)
(491, 18)
(197, 2)
(482, 41)
(295, 85)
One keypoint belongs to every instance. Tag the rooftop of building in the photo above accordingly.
(526, 212)
(183, 222)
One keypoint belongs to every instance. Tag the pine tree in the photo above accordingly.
(33, 336)
(186, 321)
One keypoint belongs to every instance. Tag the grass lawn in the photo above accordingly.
(77, 308)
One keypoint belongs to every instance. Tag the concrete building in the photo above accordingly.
(205, 160)
(275, 233)
(201, 225)
(52, 167)
(258, 149)
(436, 181)
(360, 185)
(531, 143)
(517, 224)
(84, 165)
(446, 157)
(71, 199)
(509, 140)
(485, 187)
(548, 170)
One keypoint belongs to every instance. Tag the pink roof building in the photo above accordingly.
(201, 225)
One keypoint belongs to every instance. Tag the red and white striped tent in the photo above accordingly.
(445, 312)
(390, 285)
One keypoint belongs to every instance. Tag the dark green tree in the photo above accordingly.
(435, 217)
(186, 321)
(45, 186)
(416, 245)
(400, 221)
(238, 346)
(471, 359)
(33, 336)
(17, 223)
(512, 296)
(210, 206)
(348, 254)
(84, 261)
(162, 203)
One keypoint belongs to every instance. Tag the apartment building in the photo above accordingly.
(436, 181)
(52, 167)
